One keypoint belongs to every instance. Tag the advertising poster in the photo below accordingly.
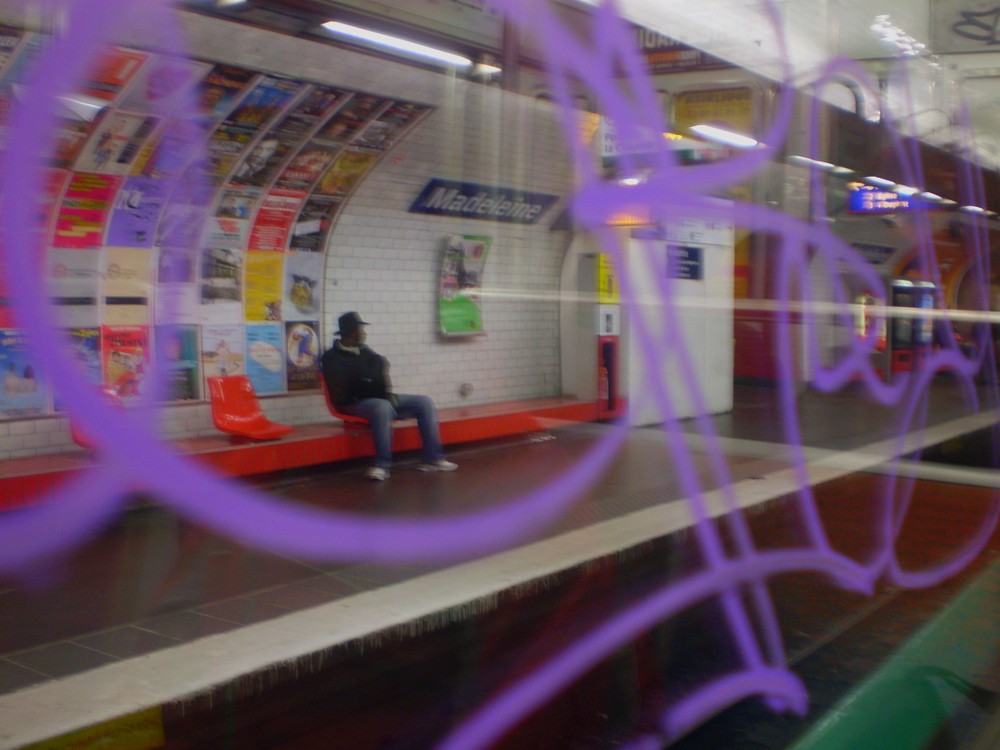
(49, 200)
(10, 37)
(115, 143)
(349, 119)
(222, 350)
(270, 154)
(71, 133)
(176, 265)
(268, 98)
(136, 212)
(345, 172)
(25, 53)
(265, 159)
(265, 359)
(220, 88)
(125, 350)
(176, 303)
(221, 231)
(307, 166)
(168, 151)
(303, 285)
(178, 345)
(84, 210)
(314, 223)
(181, 225)
(238, 202)
(275, 218)
(6, 310)
(315, 107)
(221, 275)
(127, 275)
(390, 126)
(461, 279)
(263, 286)
(115, 68)
(224, 149)
(302, 351)
(85, 346)
(24, 393)
(162, 84)
(318, 104)
(74, 284)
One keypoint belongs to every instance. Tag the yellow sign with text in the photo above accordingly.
(728, 107)
(607, 280)
(138, 731)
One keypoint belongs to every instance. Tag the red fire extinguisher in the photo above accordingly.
(602, 383)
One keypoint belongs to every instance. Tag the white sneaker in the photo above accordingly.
(377, 474)
(440, 465)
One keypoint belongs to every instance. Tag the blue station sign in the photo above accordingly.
(470, 200)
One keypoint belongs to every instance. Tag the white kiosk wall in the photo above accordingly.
(698, 256)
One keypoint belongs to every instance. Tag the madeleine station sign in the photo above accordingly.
(470, 200)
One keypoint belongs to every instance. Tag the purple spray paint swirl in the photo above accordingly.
(134, 457)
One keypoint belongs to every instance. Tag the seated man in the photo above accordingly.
(358, 381)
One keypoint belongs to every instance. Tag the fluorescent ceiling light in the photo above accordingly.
(824, 166)
(721, 135)
(396, 43)
(486, 66)
(932, 197)
(973, 209)
(905, 190)
(879, 182)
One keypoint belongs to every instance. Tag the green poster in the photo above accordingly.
(461, 280)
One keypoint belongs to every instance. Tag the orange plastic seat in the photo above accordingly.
(236, 410)
(79, 434)
(347, 419)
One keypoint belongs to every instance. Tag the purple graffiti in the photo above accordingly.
(133, 457)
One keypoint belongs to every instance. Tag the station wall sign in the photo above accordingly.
(470, 200)
(684, 262)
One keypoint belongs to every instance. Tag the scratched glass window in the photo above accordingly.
(790, 227)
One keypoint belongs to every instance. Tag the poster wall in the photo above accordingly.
(218, 251)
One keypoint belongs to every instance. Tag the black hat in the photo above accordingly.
(349, 322)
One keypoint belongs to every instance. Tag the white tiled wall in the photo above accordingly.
(384, 261)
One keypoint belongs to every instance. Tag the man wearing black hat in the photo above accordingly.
(358, 381)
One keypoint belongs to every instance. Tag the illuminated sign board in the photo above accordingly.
(868, 199)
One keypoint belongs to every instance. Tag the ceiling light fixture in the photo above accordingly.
(723, 136)
(486, 66)
(397, 43)
(879, 182)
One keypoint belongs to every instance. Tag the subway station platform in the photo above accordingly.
(161, 624)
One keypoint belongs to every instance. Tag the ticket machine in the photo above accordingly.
(911, 330)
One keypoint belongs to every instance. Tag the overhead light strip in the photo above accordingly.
(723, 136)
(397, 43)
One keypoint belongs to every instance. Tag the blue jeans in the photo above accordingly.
(380, 413)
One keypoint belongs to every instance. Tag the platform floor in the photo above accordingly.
(155, 609)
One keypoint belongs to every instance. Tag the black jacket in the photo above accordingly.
(351, 377)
